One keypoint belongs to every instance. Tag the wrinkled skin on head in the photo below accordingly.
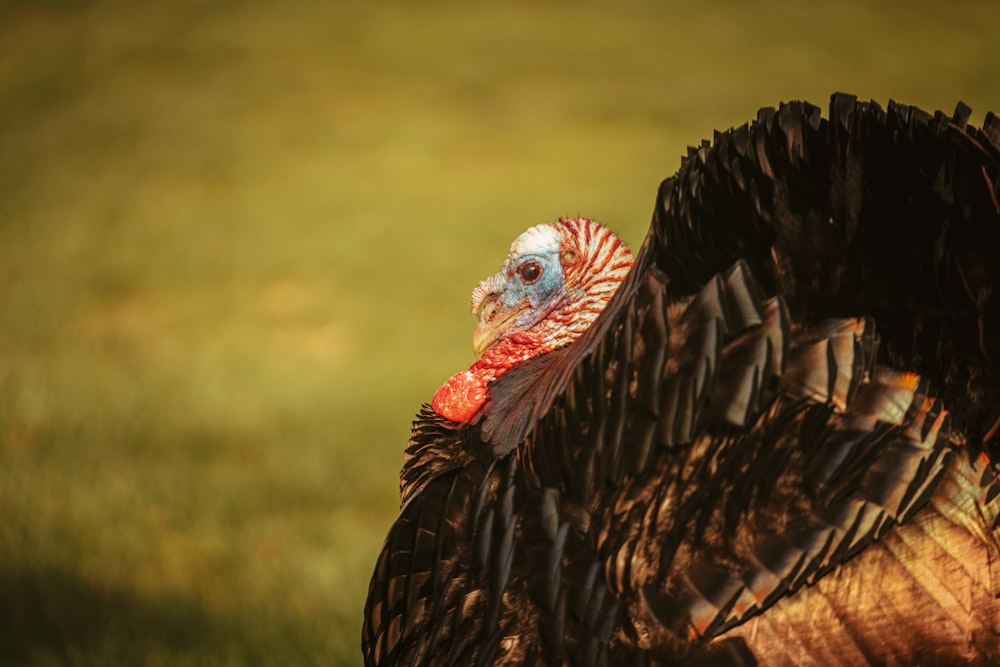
(554, 282)
(527, 288)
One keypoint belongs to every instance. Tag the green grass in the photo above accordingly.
(236, 246)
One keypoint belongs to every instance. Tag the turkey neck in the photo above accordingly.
(465, 393)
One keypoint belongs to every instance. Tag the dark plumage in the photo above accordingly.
(778, 444)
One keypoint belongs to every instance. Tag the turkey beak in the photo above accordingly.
(494, 321)
(482, 338)
(486, 332)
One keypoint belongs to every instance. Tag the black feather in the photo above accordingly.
(731, 466)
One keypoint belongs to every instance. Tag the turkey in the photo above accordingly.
(771, 436)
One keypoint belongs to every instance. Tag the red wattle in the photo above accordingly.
(460, 397)
(465, 393)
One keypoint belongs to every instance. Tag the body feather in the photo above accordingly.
(778, 444)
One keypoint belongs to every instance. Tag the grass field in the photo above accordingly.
(237, 241)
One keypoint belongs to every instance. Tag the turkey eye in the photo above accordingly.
(529, 272)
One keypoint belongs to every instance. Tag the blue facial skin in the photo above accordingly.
(541, 295)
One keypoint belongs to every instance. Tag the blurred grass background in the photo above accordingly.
(237, 241)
